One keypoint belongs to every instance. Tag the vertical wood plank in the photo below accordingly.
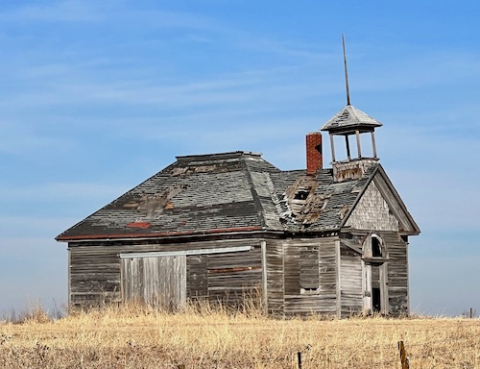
(384, 288)
(69, 285)
(332, 148)
(359, 149)
(338, 279)
(263, 246)
(347, 143)
(408, 277)
(374, 145)
(183, 282)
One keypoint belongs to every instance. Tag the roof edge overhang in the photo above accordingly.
(415, 228)
(358, 118)
(351, 129)
(158, 234)
(252, 231)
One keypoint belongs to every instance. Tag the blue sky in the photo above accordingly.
(98, 95)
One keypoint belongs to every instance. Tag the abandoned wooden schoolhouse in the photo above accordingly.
(330, 241)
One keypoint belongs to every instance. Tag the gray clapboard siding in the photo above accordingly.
(275, 277)
(95, 269)
(197, 281)
(397, 274)
(233, 277)
(350, 282)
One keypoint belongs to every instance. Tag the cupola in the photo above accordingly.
(349, 122)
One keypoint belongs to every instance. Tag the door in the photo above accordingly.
(158, 281)
(375, 299)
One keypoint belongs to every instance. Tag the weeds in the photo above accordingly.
(218, 336)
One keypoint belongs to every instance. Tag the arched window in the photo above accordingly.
(376, 247)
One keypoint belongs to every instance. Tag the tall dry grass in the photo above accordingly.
(206, 336)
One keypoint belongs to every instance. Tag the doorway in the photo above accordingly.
(375, 296)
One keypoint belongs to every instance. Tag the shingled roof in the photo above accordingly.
(350, 117)
(326, 203)
(223, 193)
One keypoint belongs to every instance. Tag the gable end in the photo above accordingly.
(379, 207)
(372, 212)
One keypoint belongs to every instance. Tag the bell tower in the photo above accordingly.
(349, 122)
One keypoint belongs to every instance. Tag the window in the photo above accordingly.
(309, 270)
(376, 247)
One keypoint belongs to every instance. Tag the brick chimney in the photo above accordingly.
(314, 152)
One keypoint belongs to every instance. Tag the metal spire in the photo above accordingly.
(346, 71)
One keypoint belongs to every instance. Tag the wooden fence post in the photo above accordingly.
(299, 356)
(403, 355)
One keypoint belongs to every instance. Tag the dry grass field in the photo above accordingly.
(143, 338)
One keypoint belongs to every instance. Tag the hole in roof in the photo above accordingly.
(301, 195)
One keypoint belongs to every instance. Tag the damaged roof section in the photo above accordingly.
(304, 204)
(317, 203)
(150, 206)
(196, 194)
(229, 192)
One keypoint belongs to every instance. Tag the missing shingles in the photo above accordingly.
(186, 171)
(179, 171)
(304, 205)
(151, 205)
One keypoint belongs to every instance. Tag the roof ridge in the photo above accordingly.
(237, 153)
(353, 111)
(256, 198)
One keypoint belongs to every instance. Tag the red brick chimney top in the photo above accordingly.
(314, 152)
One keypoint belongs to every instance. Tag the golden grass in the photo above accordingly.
(214, 338)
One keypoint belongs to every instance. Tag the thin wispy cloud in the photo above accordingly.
(57, 11)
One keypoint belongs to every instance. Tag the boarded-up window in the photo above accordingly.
(309, 270)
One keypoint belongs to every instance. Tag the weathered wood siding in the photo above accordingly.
(398, 294)
(233, 276)
(275, 278)
(95, 270)
(372, 212)
(197, 281)
(351, 291)
(297, 299)
(159, 281)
